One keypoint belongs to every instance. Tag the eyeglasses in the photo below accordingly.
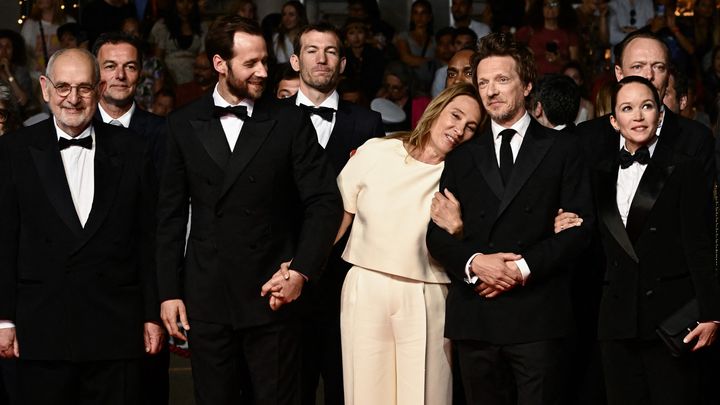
(4, 115)
(632, 17)
(552, 5)
(64, 89)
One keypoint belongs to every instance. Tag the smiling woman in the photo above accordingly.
(389, 186)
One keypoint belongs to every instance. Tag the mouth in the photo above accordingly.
(639, 128)
(452, 140)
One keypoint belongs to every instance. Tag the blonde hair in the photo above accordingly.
(418, 138)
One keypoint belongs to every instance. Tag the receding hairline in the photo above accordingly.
(68, 52)
(665, 51)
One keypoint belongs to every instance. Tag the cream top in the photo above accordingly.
(390, 194)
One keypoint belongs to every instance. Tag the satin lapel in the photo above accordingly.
(486, 161)
(607, 206)
(253, 134)
(339, 144)
(534, 147)
(46, 156)
(108, 167)
(648, 191)
(211, 135)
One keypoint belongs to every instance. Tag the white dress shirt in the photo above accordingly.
(79, 164)
(231, 124)
(322, 127)
(628, 180)
(123, 119)
(520, 128)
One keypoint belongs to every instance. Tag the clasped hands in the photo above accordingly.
(283, 287)
(497, 273)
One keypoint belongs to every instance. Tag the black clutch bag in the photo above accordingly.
(674, 328)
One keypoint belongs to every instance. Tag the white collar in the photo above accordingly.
(89, 131)
(331, 101)
(124, 119)
(219, 101)
(520, 126)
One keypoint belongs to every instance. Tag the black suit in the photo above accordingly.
(548, 174)
(354, 125)
(658, 262)
(155, 377)
(76, 294)
(271, 200)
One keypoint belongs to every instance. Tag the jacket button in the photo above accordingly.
(251, 179)
(248, 212)
(653, 229)
(528, 209)
(491, 244)
(615, 263)
(649, 293)
(220, 214)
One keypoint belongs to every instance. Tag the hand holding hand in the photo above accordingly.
(497, 270)
(705, 334)
(170, 312)
(9, 347)
(284, 286)
(445, 212)
(566, 220)
(154, 335)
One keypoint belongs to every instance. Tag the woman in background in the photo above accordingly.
(416, 47)
(292, 20)
(40, 32)
(551, 34)
(10, 119)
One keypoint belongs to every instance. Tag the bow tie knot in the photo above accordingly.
(325, 113)
(239, 111)
(64, 143)
(641, 156)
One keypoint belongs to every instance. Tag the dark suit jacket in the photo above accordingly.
(152, 128)
(665, 257)
(680, 134)
(354, 125)
(548, 174)
(77, 293)
(273, 199)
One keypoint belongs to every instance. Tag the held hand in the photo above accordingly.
(705, 334)
(495, 272)
(170, 312)
(154, 336)
(566, 220)
(445, 212)
(284, 287)
(486, 291)
(9, 346)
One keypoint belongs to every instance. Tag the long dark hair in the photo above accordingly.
(174, 24)
(427, 5)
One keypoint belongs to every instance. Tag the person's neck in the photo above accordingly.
(426, 154)
(316, 96)
(358, 51)
(226, 94)
(401, 102)
(462, 23)
(512, 121)
(48, 14)
(114, 110)
(551, 24)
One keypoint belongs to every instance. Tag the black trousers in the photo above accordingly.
(156, 378)
(321, 356)
(258, 365)
(111, 382)
(538, 369)
(644, 373)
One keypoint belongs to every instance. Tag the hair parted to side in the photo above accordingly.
(633, 79)
(503, 44)
(219, 39)
(322, 28)
(619, 49)
(116, 38)
(418, 138)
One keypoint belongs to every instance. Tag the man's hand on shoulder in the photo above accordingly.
(9, 346)
(172, 311)
(284, 287)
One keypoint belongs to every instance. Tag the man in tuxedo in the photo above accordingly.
(555, 101)
(509, 304)
(118, 56)
(120, 61)
(77, 272)
(262, 193)
(341, 128)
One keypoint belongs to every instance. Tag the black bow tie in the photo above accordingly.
(239, 111)
(65, 143)
(641, 156)
(325, 113)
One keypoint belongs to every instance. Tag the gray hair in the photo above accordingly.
(84, 52)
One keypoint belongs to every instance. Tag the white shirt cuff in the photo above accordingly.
(524, 269)
(6, 325)
(470, 278)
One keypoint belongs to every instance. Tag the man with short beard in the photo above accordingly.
(341, 128)
(262, 193)
(120, 63)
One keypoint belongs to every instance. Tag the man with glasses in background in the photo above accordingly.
(78, 303)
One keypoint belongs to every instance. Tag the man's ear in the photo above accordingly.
(295, 62)
(618, 73)
(220, 65)
(537, 112)
(43, 86)
(343, 62)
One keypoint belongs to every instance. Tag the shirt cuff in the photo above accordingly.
(6, 325)
(524, 269)
(470, 278)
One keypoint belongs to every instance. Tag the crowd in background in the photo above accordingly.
(405, 65)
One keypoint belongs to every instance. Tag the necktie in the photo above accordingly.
(116, 123)
(506, 156)
(641, 156)
(65, 143)
(239, 111)
(325, 113)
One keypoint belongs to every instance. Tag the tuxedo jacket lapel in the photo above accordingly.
(486, 161)
(210, 133)
(343, 131)
(534, 147)
(47, 160)
(254, 132)
(607, 206)
(648, 191)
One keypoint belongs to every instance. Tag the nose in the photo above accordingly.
(648, 73)
(120, 73)
(74, 96)
(261, 71)
(321, 57)
(491, 89)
